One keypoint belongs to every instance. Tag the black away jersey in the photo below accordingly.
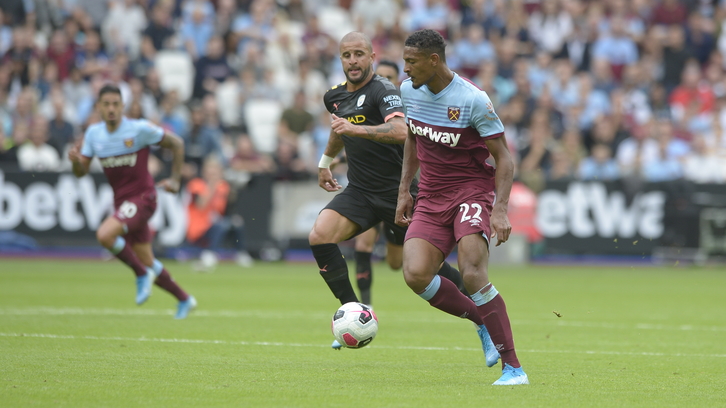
(372, 166)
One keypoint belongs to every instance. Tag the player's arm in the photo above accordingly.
(503, 177)
(81, 164)
(391, 132)
(176, 144)
(325, 176)
(404, 207)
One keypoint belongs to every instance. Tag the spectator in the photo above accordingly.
(60, 131)
(296, 120)
(289, 166)
(669, 12)
(200, 142)
(663, 167)
(207, 224)
(692, 92)
(618, 49)
(211, 69)
(702, 165)
(92, 59)
(473, 50)
(197, 28)
(675, 56)
(62, 53)
(159, 30)
(550, 26)
(122, 27)
(600, 165)
(247, 159)
(37, 154)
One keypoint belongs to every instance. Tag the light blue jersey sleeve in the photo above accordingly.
(149, 134)
(87, 146)
(483, 117)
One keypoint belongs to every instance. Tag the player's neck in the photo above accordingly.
(441, 80)
(351, 87)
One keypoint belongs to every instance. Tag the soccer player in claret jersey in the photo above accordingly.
(122, 145)
(452, 130)
(368, 121)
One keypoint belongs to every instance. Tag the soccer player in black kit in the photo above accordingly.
(368, 120)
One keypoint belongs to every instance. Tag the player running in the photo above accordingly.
(452, 130)
(368, 121)
(122, 145)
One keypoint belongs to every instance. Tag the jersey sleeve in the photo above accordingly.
(483, 117)
(87, 146)
(389, 101)
(149, 134)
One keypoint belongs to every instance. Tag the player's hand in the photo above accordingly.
(74, 153)
(341, 126)
(404, 209)
(500, 226)
(326, 180)
(170, 185)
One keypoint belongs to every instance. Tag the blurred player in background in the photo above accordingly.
(122, 145)
(453, 129)
(365, 242)
(368, 121)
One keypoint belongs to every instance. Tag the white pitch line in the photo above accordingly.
(280, 344)
(77, 311)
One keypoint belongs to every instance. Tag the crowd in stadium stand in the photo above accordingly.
(592, 90)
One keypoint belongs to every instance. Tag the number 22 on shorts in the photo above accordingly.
(475, 219)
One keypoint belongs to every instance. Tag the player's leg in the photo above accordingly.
(329, 229)
(394, 255)
(109, 234)
(164, 280)
(421, 261)
(473, 259)
(395, 236)
(364, 244)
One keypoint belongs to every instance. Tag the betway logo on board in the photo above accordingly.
(451, 139)
(589, 210)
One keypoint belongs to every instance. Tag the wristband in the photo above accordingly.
(325, 162)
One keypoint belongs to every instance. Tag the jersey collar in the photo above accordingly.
(445, 90)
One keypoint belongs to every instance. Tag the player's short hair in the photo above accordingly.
(389, 63)
(428, 41)
(108, 88)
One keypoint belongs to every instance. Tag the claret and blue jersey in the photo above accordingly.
(124, 155)
(451, 128)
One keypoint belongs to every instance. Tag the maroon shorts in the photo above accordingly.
(134, 213)
(443, 219)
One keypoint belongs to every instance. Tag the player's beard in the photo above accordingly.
(364, 72)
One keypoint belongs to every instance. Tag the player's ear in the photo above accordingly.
(434, 58)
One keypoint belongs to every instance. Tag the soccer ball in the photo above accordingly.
(354, 325)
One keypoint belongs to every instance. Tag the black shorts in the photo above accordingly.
(367, 210)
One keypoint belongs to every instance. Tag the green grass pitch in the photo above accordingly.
(71, 336)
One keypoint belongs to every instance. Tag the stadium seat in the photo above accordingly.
(176, 72)
(262, 117)
(228, 103)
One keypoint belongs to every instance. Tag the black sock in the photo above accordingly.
(364, 275)
(450, 273)
(334, 270)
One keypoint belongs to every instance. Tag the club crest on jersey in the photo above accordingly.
(360, 101)
(128, 142)
(454, 113)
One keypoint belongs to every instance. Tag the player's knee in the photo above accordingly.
(394, 263)
(316, 238)
(416, 278)
(105, 238)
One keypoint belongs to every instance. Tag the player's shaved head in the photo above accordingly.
(354, 36)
